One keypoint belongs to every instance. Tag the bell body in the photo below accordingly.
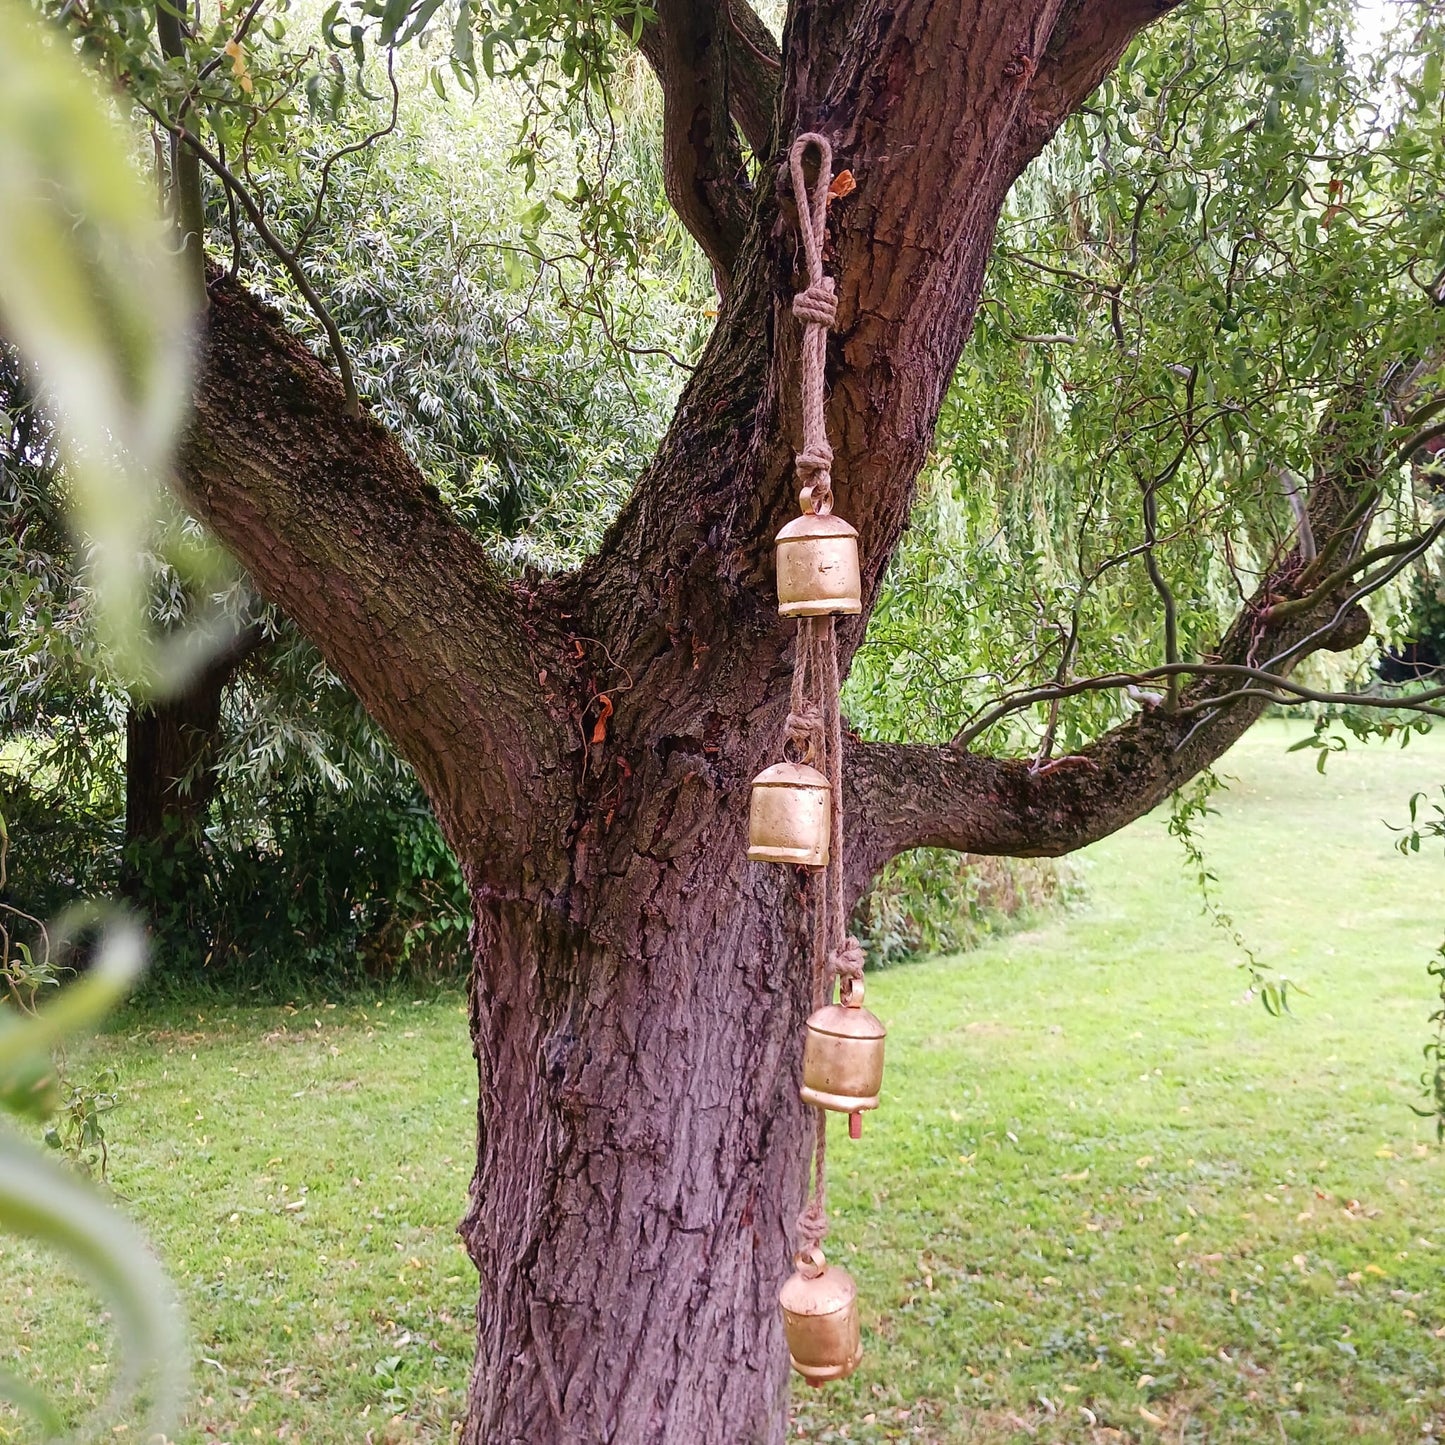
(790, 816)
(817, 565)
(843, 1059)
(820, 1319)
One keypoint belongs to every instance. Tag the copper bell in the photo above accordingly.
(817, 563)
(843, 1058)
(820, 1319)
(790, 816)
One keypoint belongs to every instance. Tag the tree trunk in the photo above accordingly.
(166, 742)
(641, 1157)
(170, 749)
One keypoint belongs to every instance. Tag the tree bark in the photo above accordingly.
(641, 1159)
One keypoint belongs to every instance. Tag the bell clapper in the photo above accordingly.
(855, 1125)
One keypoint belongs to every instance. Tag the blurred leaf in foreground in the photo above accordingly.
(95, 299)
(46, 1202)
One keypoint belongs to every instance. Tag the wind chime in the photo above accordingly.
(796, 814)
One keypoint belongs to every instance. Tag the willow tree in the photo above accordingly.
(587, 738)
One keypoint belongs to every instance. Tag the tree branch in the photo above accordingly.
(755, 70)
(1084, 44)
(339, 529)
(273, 243)
(689, 46)
(951, 797)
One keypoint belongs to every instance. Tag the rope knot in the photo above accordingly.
(846, 961)
(845, 964)
(812, 1225)
(804, 729)
(817, 303)
(814, 465)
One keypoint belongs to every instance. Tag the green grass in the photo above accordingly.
(1107, 1198)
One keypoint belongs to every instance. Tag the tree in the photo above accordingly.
(587, 738)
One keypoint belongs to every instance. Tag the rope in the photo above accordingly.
(816, 307)
(815, 723)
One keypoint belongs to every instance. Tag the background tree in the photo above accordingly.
(587, 737)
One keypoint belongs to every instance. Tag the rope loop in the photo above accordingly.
(812, 209)
(816, 307)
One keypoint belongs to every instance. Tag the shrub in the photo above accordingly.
(934, 901)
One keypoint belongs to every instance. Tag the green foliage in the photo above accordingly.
(44, 1201)
(92, 297)
(931, 901)
(340, 892)
(530, 403)
(1213, 285)
(1188, 807)
(1433, 1079)
(467, 316)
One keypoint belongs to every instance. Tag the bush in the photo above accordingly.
(335, 892)
(933, 901)
(323, 892)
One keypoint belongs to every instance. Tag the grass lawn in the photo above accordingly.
(1106, 1199)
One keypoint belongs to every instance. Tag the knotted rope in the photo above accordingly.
(815, 725)
(816, 307)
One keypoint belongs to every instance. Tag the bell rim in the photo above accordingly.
(822, 607)
(838, 1103)
(799, 857)
(822, 1374)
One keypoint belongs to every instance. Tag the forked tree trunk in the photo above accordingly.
(587, 742)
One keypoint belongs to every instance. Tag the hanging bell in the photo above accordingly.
(843, 1058)
(817, 565)
(790, 816)
(820, 1319)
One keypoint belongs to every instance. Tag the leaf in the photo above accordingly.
(31, 1401)
(421, 19)
(238, 66)
(604, 711)
(462, 53)
(44, 1201)
(27, 1039)
(93, 296)
(392, 17)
